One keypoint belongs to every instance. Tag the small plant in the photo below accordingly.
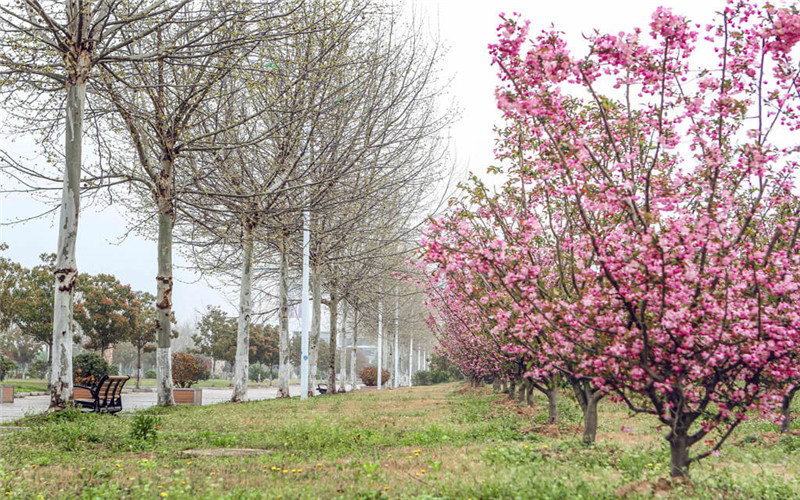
(371, 469)
(369, 375)
(187, 369)
(150, 374)
(145, 428)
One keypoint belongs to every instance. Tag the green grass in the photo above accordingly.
(426, 442)
(26, 385)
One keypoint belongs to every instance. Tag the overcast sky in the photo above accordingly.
(465, 27)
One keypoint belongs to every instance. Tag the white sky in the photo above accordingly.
(466, 27)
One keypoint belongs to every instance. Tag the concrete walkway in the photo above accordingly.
(31, 405)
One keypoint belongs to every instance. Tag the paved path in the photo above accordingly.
(137, 400)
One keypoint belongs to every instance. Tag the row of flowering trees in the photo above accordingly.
(645, 243)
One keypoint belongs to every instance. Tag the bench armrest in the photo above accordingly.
(76, 386)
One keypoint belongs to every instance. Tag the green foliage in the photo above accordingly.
(264, 344)
(441, 371)
(145, 428)
(369, 375)
(30, 305)
(150, 374)
(6, 367)
(89, 368)
(107, 311)
(260, 372)
(217, 335)
(38, 368)
(187, 369)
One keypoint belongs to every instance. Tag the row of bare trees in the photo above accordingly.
(217, 123)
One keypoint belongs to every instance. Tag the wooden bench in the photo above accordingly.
(105, 397)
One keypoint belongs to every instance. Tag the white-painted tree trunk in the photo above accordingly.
(380, 342)
(166, 219)
(284, 365)
(396, 364)
(354, 352)
(66, 272)
(306, 309)
(334, 320)
(242, 364)
(316, 317)
(410, 359)
(343, 348)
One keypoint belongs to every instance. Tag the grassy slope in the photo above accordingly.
(425, 442)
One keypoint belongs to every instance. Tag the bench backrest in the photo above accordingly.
(110, 388)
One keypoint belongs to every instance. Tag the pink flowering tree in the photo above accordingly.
(677, 179)
(471, 258)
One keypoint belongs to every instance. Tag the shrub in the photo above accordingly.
(256, 370)
(150, 374)
(38, 368)
(369, 375)
(430, 377)
(6, 367)
(89, 368)
(187, 369)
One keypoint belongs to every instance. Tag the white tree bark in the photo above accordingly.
(166, 218)
(354, 352)
(334, 320)
(410, 359)
(242, 364)
(396, 365)
(316, 317)
(343, 348)
(284, 368)
(380, 342)
(66, 264)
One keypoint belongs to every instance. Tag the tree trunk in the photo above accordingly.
(284, 363)
(786, 410)
(242, 364)
(354, 352)
(396, 363)
(66, 272)
(504, 387)
(166, 218)
(313, 341)
(590, 419)
(334, 321)
(523, 391)
(529, 392)
(410, 360)
(343, 349)
(138, 365)
(552, 406)
(512, 388)
(679, 451)
(496, 384)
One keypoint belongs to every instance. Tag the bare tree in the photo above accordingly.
(51, 49)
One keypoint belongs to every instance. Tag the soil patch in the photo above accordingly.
(661, 486)
(224, 452)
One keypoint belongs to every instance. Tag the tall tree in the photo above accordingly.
(54, 46)
(106, 311)
(216, 337)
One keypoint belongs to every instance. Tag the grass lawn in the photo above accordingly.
(442, 441)
(26, 385)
